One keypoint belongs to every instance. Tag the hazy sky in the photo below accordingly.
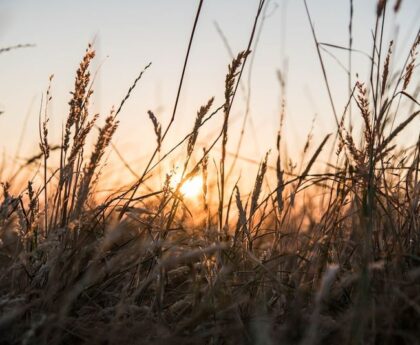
(129, 34)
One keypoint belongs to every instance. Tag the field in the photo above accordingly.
(310, 253)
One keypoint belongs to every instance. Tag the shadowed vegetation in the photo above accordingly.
(306, 256)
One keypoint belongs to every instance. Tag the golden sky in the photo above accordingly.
(129, 34)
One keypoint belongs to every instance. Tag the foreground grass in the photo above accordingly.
(271, 267)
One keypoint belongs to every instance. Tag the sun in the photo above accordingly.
(192, 187)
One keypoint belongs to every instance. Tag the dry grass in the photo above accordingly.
(305, 258)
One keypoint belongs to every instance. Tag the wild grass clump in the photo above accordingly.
(304, 257)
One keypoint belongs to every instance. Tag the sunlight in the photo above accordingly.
(192, 187)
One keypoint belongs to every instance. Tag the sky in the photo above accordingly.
(129, 34)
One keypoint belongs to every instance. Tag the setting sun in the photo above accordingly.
(192, 187)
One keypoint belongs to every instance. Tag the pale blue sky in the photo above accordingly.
(129, 34)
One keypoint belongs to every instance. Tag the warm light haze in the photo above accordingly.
(218, 172)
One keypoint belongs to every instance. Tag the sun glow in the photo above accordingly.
(192, 187)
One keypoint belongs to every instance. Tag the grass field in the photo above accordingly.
(304, 256)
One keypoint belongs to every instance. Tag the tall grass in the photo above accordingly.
(305, 257)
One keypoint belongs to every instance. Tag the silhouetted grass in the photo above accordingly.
(304, 257)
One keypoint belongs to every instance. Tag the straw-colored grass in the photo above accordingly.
(303, 257)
